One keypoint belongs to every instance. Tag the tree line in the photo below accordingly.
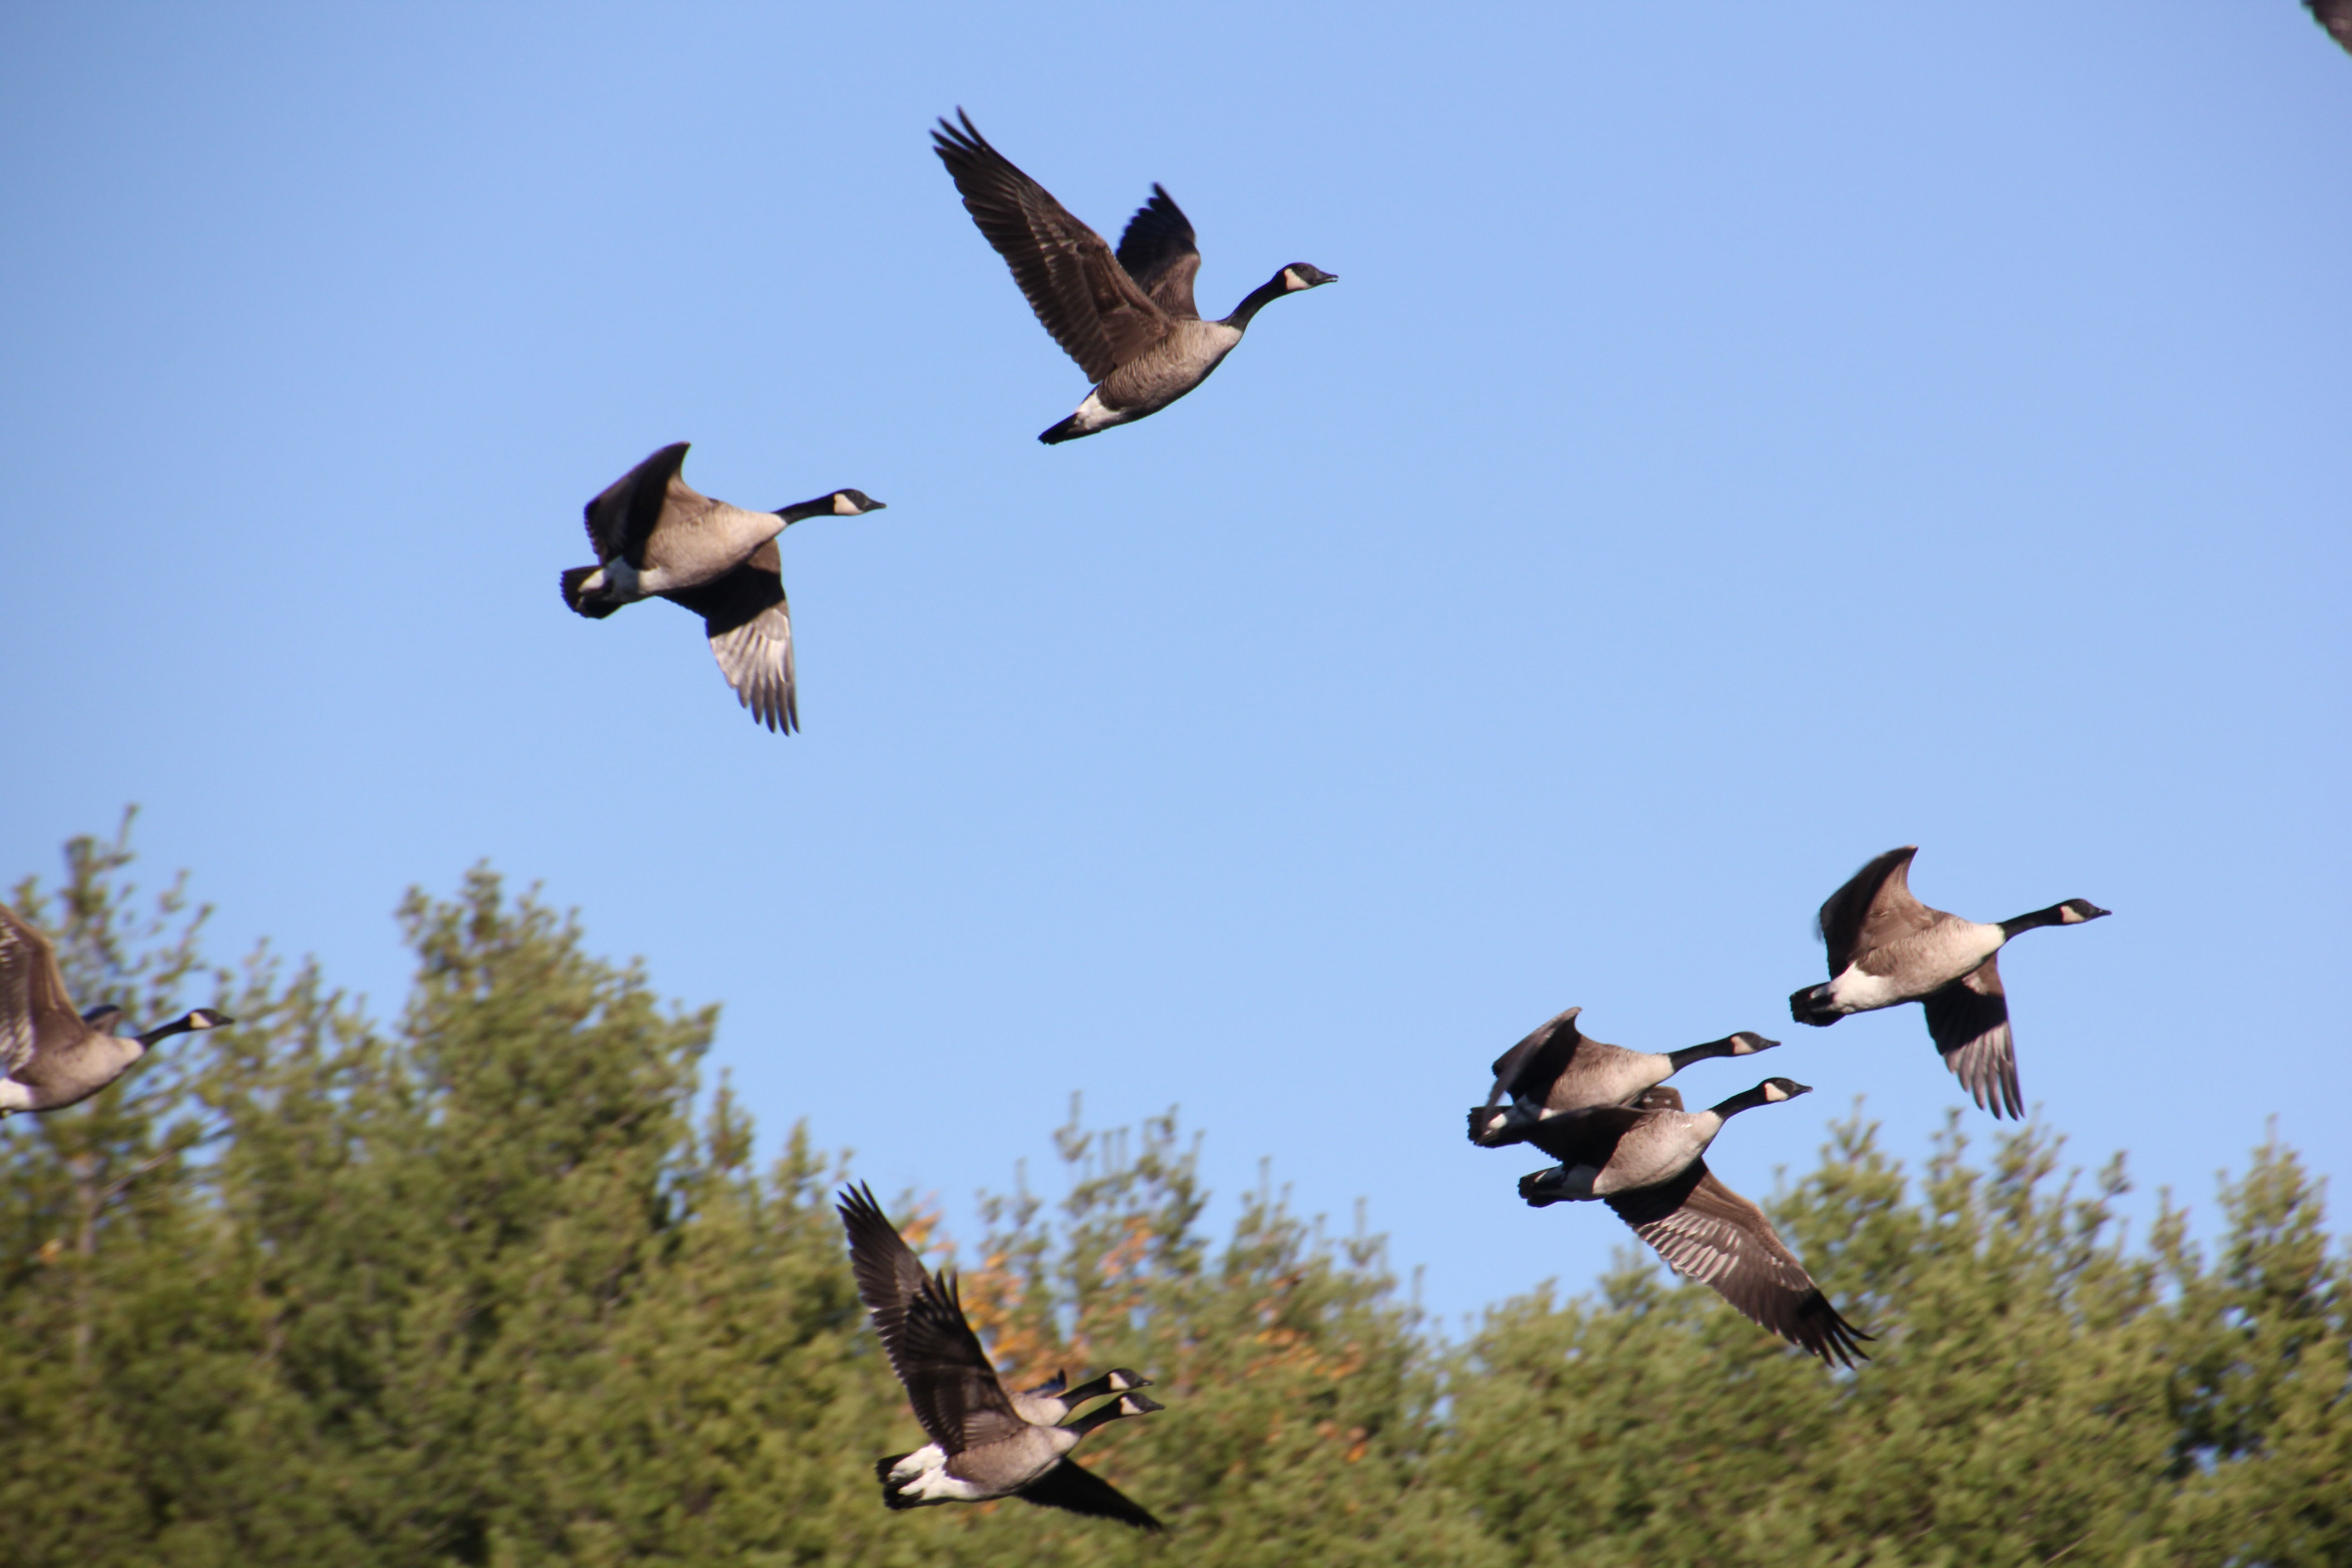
(493, 1284)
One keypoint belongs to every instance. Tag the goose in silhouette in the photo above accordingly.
(1128, 318)
(655, 534)
(1559, 1068)
(986, 1441)
(52, 1057)
(1886, 948)
(1647, 1162)
(2336, 15)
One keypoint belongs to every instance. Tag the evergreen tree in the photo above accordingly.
(479, 1288)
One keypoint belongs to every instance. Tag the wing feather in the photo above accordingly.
(750, 626)
(1160, 252)
(33, 1003)
(1527, 1070)
(1066, 271)
(1073, 1487)
(622, 517)
(950, 1380)
(889, 1276)
(1708, 1233)
(2336, 15)
(1968, 1021)
(1875, 907)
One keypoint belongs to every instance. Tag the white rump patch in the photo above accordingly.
(14, 1096)
(1092, 415)
(921, 1461)
(1857, 991)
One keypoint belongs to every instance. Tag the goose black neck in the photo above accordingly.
(1265, 294)
(179, 1026)
(800, 511)
(1689, 1054)
(1094, 1389)
(1093, 1418)
(2055, 915)
(1747, 1100)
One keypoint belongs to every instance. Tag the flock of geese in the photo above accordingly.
(1618, 1130)
(1126, 316)
(1620, 1135)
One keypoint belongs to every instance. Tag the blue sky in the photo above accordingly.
(1743, 438)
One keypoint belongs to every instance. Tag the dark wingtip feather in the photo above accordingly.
(1824, 1332)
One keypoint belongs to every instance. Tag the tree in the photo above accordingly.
(482, 1287)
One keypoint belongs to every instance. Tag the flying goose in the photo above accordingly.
(50, 1056)
(1558, 1068)
(655, 533)
(1886, 948)
(1647, 1162)
(986, 1441)
(2336, 15)
(1129, 320)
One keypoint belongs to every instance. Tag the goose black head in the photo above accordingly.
(853, 504)
(1747, 1043)
(207, 1018)
(1125, 1378)
(1779, 1088)
(1305, 275)
(2074, 911)
(1138, 1404)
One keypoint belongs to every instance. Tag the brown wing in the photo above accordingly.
(1071, 279)
(622, 517)
(1071, 1486)
(1158, 250)
(1969, 1020)
(1585, 1137)
(950, 1380)
(889, 1276)
(1706, 1232)
(1873, 907)
(1528, 1069)
(2336, 15)
(750, 630)
(34, 1006)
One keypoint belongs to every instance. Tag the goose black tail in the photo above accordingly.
(1804, 1010)
(890, 1498)
(593, 609)
(1067, 430)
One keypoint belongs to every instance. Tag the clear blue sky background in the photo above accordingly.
(1743, 438)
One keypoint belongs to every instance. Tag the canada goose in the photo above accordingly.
(1558, 1068)
(1129, 320)
(1648, 1164)
(655, 533)
(1886, 948)
(985, 1441)
(51, 1055)
(2336, 15)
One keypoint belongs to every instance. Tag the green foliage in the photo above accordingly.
(484, 1287)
